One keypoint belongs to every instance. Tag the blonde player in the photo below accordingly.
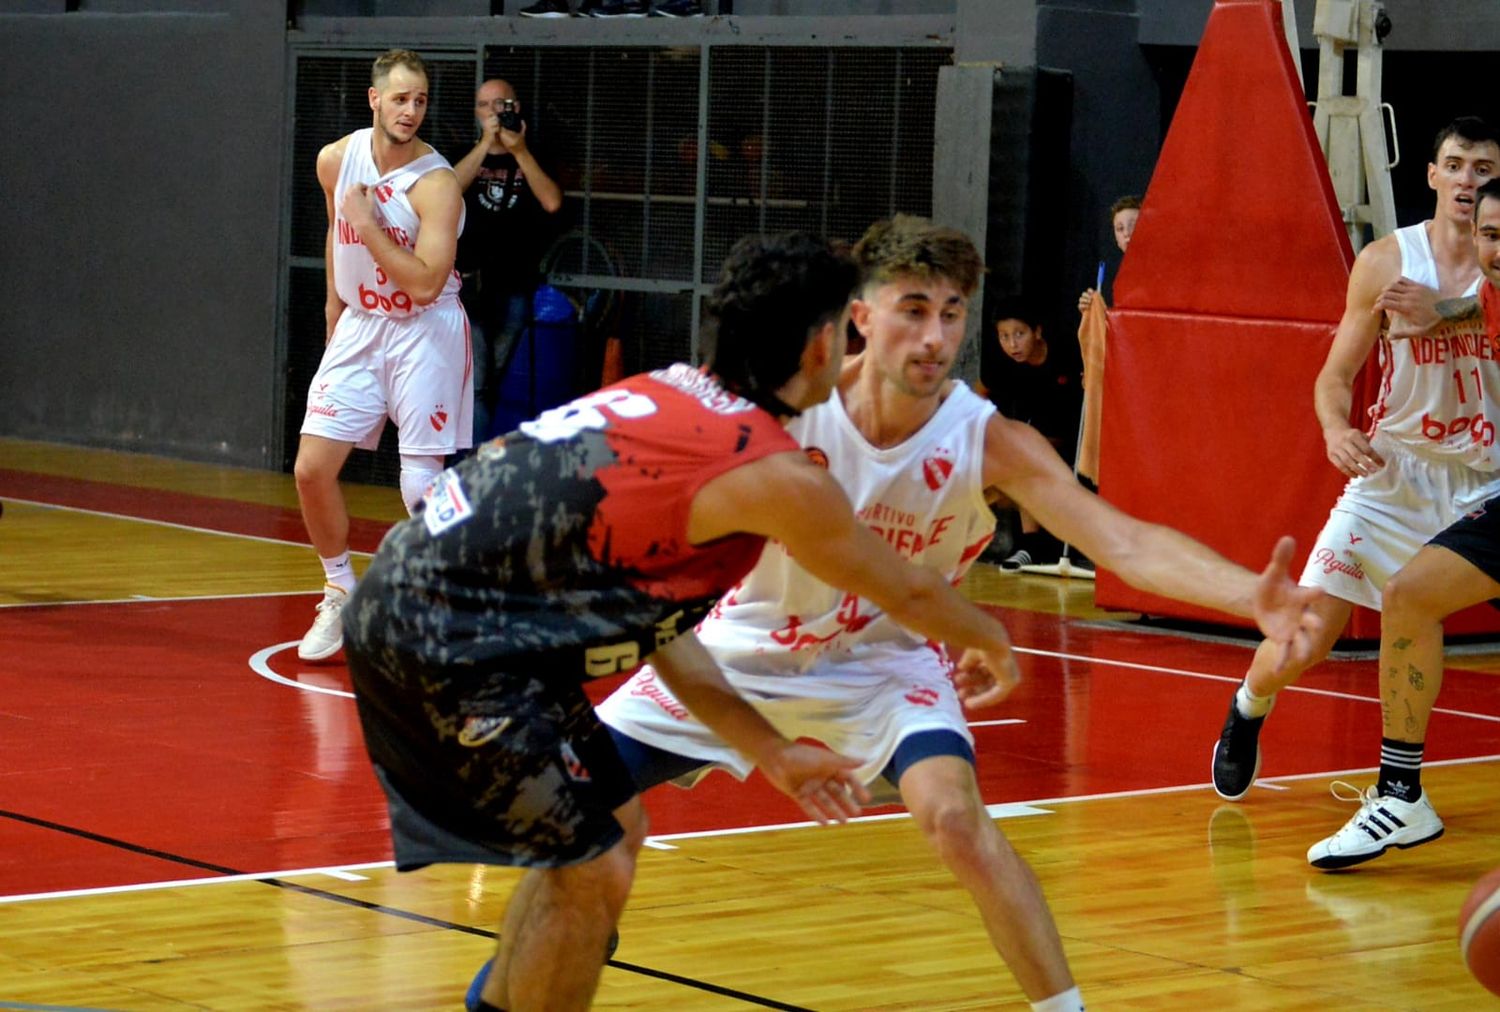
(398, 341)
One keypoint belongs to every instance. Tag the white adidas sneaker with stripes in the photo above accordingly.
(1380, 824)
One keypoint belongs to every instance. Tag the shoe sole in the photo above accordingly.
(553, 15)
(1253, 774)
(1337, 863)
(322, 655)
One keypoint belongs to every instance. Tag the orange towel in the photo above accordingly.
(1093, 336)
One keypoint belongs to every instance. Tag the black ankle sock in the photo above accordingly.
(1400, 769)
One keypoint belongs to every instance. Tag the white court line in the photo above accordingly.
(1492, 718)
(171, 524)
(344, 872)
(1007, 810)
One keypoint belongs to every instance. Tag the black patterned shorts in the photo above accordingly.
(501, 768)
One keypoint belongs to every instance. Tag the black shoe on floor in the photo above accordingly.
(546, 9)
(614, 9)
(677, 9)
(1237, 754)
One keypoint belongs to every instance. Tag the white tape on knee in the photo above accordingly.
(417, 474)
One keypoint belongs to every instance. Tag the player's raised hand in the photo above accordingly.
(1284, 611)
(822, 782)
(984, 677)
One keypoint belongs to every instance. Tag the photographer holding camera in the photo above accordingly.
(507, 195)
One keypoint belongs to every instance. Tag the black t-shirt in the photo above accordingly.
(506, 232)
(1048, 397)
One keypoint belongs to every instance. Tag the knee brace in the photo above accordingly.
(417, 474)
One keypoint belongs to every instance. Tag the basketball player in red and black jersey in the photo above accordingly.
(592, 540)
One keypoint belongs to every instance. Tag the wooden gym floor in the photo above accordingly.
(187, 819)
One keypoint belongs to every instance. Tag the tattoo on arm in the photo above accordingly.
(1461, 310)
(1402, 643)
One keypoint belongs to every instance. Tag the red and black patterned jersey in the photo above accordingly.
(563, 546)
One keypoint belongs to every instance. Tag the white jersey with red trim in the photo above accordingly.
(924, 496)
(361, 282)
(1437, 393)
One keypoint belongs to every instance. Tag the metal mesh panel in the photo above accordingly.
(826, 140)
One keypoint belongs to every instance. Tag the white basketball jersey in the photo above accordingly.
(925, 497)
(362, 284)
(1437, 392)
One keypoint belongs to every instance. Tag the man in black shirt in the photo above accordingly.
(507, 196)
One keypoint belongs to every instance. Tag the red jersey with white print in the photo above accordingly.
(563, 546)
(925, 496)
(362, 283)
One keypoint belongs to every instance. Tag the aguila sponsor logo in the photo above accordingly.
(644, 685)
(922, 697)
(1331, 564)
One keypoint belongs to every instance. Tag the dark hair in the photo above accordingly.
(908, 245)
(773, 293)
(1489, 191)
(1016, 307)
(1129, 202)
(393, 58)
(1466, 128)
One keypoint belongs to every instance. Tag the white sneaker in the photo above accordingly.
(327, 633)
(1380, 823)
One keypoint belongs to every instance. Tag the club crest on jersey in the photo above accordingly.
(438, 418)
(479, 731)
(937, 469)
(817, 456)
(575, 767)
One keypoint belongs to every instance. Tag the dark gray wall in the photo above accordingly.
(143, 169)
(145, 172)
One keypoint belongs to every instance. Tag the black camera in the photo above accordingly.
(510, 117)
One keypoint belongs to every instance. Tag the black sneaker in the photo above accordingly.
(1013, 562)
(1237, 754)
(677, 9)
(546, 9)
(614, 9)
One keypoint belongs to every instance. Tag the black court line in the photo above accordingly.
(379, 908)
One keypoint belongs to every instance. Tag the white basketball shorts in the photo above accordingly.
(416, 370)
(861, 705)
(1382, 519)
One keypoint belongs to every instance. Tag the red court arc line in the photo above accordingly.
(230, 516)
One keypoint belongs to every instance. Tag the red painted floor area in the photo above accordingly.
(137, 744)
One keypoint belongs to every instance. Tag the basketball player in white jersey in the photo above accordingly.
(398, 339)
(1426, 458)
(916, 451)
(1458, 568)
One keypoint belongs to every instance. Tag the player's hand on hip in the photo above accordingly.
(1350, 451)
(1285, 611)
(985, 677)
(822, 782)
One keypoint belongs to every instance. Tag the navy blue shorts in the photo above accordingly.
(1476, 539)
(649, 765)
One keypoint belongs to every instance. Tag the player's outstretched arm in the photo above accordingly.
(1152, 557)
(789, 499)
(822, 782)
